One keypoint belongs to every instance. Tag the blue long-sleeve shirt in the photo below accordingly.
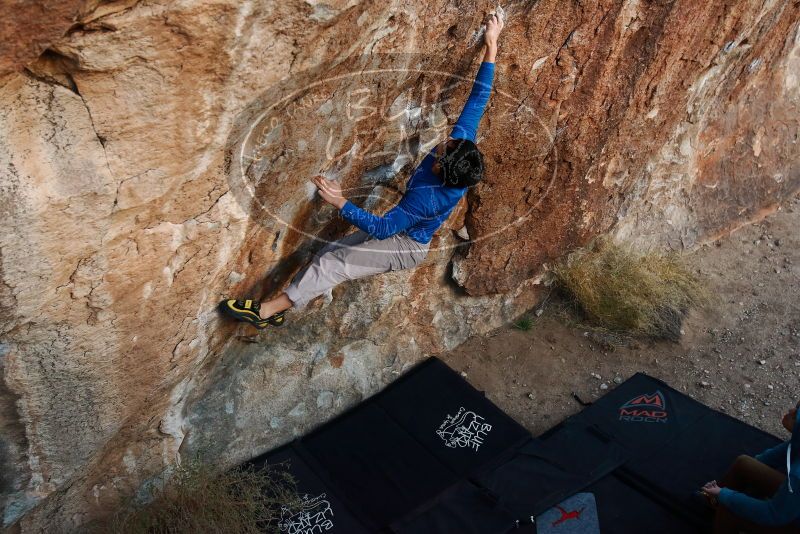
(427, 202)
(784, 507)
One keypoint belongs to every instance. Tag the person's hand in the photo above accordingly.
(789, 418)
(494, 25)
(330, 191)
(712, 488)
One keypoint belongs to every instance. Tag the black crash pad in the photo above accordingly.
(623, 509)
(540, 475)
(431, 454)
(450, 418)
(421, 435)
(375, 465)
(465, 508)
(673, 444)
(320, 509)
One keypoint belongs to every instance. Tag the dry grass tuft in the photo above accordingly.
(639, 294)
(197, 498)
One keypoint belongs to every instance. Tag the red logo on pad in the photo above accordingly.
(645, 408)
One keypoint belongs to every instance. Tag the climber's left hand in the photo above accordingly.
(330, 191)
(494, 25)
(712, 488)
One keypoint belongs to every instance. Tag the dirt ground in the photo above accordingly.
(740, 355)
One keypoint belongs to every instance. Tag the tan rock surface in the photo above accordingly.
(28, 28)
(156, 159)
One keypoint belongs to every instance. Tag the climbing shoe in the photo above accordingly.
(276, 319)
(248, 311)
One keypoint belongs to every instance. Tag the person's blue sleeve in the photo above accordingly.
(774, 457)
(466, 126)
(396, 220)
(780, 510)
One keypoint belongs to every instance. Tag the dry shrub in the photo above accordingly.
(197, 498)
(638, 294)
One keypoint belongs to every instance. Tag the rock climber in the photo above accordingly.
(761, 494)
(400, 238)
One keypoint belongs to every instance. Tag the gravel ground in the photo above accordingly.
(740, 355)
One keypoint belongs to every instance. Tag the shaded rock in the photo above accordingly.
(325, 399)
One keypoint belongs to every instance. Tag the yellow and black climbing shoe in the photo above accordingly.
(248, 311)
(276, 319)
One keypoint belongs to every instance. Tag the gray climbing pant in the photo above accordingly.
(354, 256)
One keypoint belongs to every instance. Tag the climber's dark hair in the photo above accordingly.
(462, 163)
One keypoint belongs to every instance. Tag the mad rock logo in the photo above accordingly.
(464, 429)
(309, 516)
(644, 409)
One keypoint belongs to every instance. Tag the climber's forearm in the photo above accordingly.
(490, 53)
(396, 220)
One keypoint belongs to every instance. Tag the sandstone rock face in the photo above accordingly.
(28, 28)
(155, 159)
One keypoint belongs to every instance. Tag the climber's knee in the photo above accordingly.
(332, 264)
